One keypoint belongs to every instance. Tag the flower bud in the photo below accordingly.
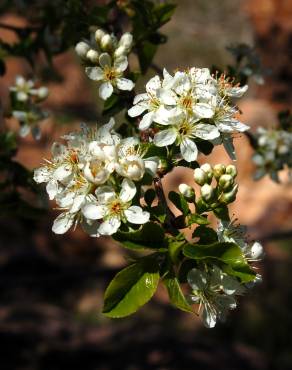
(187, 191)
(207, 168)
(218, 170)
(120, 51)
(207, 192)
(126, 41)
(106, 42)
(42, 92)
(81, 49)
(226, 182)
(92, 55)
(200, 176)
(231, 170)
(256, 251)
(230, 196)
(99, 35)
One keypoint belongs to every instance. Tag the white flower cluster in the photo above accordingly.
(273, 153)
(106, 60)
(213, 289)
(92, 180)
(190, 106)
(24, 99)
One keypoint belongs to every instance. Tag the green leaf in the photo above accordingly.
(228, 253)
(174, 248)
(149, 197)
(206, 235)
(197, 219)
(164, 12)
(150, 236)
(175, 293)
(179, 201)
(131, 288)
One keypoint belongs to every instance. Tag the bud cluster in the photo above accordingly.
(105, 60)
(92, 180)
(274, 152)
(25, 97)
(225, 190)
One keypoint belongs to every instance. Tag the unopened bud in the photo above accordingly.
(256, 251)
(187, 191)
(99, 35)
(81, 49)
(207, 168)
(226, 182)
(93, 56)
(207, 192)
(200, 176)
(230, 196)
(218, 170)
(106, 42)
(120, 51)
(42, 92)
(231, 170)
(126, 40)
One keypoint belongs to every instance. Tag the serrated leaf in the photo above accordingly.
(228, 253)
(179, 201)
(206, 235)
(174, 249)
(131, 288)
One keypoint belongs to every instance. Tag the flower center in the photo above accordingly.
(116, 207)
(185, 129)
(187, 102)
(110, 73)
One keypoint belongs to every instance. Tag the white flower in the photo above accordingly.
(130, 162)
(113, 208)
(183, 130)
(110, 75)
(149, 101)
(213, 291)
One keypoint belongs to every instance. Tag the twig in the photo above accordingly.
(163, 202)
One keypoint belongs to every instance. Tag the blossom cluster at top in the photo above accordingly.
(105, 60)
(189, 107)
(273, 153)
(25, 97)
(92, 179)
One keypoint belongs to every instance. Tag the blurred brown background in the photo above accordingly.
(51, 286)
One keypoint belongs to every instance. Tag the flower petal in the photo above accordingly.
(128, 190)
(121, 63)
(153, 84)
(109, 226)
(41, 174)
(105, 60)
(94, 211)
(165, 137)
(52, 188)
(206, 132)
(167, 96)
(105, 90)
(125, 84)
(136, 110)
(136, 215)
(105, 194)
(189, 150)
(94, 73)
(146, 121)
(204, 110)
(197, 279)
(63, 223)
